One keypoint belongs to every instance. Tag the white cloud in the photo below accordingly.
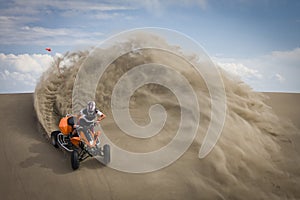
(35, 63)
(106, 9)
(286, 56)
(239, 69)
(20, 72)
(157, 7)
(41, 31)
(37, 35)
(277, 71)
(37, 6)
(157, 4)
(280, 78)
(23, 22)
(107, 15)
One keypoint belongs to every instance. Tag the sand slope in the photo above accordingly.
(32, 169)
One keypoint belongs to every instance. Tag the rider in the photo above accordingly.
(88, 115)
(90, 112)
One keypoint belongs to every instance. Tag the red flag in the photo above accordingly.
(48, 49)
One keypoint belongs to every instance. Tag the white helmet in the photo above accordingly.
(91, 106)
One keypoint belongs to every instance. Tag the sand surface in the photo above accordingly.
(32, 169)
(286, 105)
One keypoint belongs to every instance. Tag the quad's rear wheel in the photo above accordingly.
(75, 160)
(106, 151)
(54, 138)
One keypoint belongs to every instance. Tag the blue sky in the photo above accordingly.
(256, 40)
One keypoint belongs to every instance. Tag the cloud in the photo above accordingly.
(37, 6)
(71, 23)
(280, 78)
(41, 31)
(276, 71)
(38, 35)
(158, 7)
(32, 22)
(35, 63)
(90, 8)
(157, 4)
(286, 56)
(20, 72)
(107, 15)
(238, 69)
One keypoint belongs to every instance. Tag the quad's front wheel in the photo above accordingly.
(54, 138)
(75, 160)
(106, 151)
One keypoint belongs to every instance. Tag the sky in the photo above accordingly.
(257, 40)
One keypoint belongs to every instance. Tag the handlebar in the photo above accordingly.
(92, 124)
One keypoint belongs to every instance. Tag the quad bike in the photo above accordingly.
(82, 142)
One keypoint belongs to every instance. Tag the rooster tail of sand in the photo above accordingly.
(247, 158)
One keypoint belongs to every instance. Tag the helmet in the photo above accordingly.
(91, 106)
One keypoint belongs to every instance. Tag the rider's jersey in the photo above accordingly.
(90, 117)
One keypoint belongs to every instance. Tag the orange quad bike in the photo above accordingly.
(82, 142)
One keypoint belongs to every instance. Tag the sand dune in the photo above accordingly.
(285, 105)
(32, 169)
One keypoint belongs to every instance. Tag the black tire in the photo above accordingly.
(54, 138)
(74, 160)
(106, 151)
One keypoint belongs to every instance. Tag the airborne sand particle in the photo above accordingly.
(247, 160)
